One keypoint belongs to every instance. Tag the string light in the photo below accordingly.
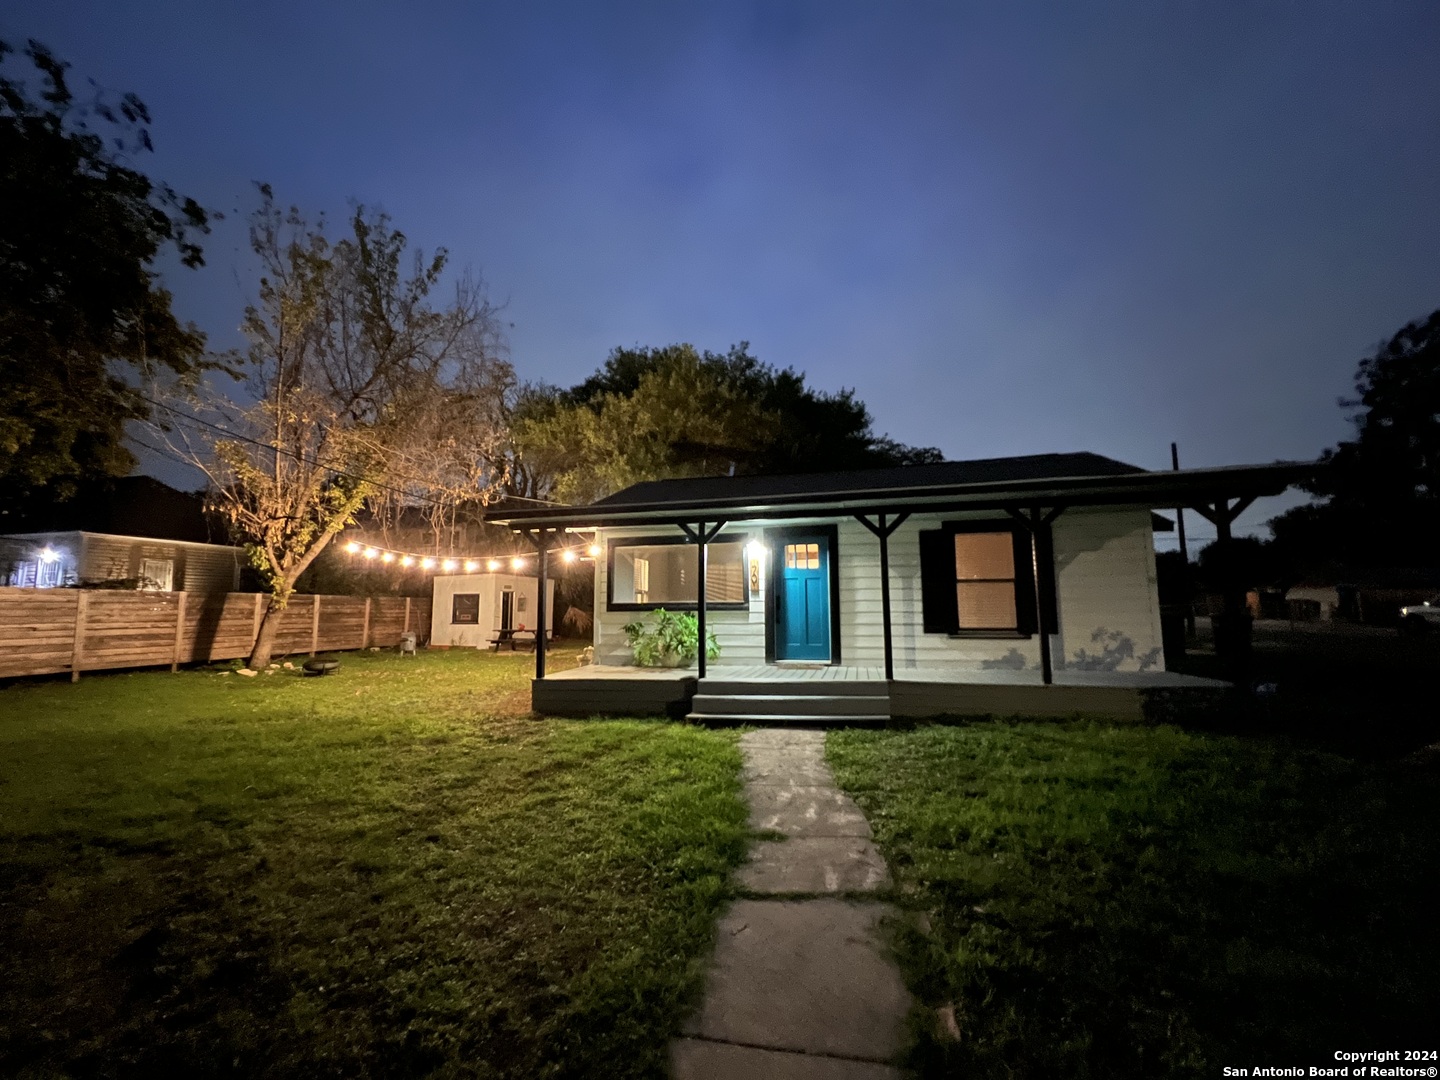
(451, 564)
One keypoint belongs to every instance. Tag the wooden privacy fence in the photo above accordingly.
(44, 631)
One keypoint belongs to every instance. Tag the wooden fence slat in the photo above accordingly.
(314, 625)
(77, 651)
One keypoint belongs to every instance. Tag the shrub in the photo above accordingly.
(674, 639)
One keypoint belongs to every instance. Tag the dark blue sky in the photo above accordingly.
(1013, 228)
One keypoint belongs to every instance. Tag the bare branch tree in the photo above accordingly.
(351, 371)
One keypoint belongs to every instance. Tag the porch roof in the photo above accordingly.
(1051, 480)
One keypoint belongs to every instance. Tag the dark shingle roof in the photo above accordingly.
(942, 474)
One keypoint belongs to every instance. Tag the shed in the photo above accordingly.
(469, 610)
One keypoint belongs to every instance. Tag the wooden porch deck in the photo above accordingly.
(916, 692)
(783, 673)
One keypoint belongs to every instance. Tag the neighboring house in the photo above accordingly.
(1029, 569)
(472, 610)
(75, 557)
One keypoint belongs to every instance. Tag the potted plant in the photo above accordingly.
(673, 640)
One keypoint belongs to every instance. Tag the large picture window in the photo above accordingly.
(661, 572)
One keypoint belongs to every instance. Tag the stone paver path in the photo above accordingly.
(801, 986)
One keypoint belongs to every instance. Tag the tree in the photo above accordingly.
(82, 311)
(656, 413)
(351, 368)
(1381, 490)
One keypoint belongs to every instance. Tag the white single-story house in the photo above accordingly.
(76, 557)
(930, 588)
(473, 610)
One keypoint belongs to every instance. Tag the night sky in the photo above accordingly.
(1011, 228)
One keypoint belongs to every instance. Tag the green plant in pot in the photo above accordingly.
(672, 641)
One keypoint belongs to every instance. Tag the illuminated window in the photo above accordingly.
(985, 580)
(802, 556)
(649, 574)
(157, 575)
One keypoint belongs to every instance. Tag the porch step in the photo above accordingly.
(784, 701)
(810, 706)
(795, 687)
(785, 719)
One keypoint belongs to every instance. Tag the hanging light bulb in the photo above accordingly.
(492, 565)
(427, 564)
(471, 566)
(352, 547)
(407, 560)
(517, 563)
(567, 555)
(448, 565)
(594, 550)
(388, 556)
(372, 553)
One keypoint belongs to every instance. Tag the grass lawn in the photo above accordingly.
(387, 872)
(1128, 901)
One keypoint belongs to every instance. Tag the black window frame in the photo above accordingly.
(455, 599)
(937, 583)
(611, 543)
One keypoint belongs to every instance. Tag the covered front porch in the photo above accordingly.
(783, 693)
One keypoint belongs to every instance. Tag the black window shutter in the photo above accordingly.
(937, 582)
(1024, 583)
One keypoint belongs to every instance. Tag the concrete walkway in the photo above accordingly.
(801, 986)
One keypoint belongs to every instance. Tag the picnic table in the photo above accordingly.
(516, 639)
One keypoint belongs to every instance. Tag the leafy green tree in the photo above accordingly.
(667, 412)
(1381, 490)
(82, 311)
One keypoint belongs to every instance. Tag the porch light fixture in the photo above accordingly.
(48, 554)
(755, 549)
(492, 565)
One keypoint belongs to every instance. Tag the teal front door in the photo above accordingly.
(802, 616)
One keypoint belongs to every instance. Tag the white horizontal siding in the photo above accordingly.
(1106, 599)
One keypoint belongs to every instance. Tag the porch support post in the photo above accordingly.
(540, 613)
(541, 539)
(882, 528)
(701, 537)
(1035, 522)
(1232, 629)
